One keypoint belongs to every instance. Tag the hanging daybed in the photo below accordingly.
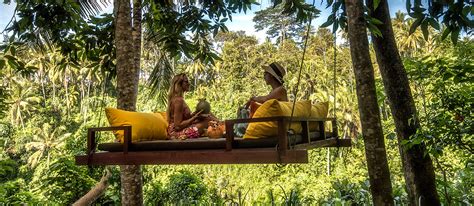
(283, 148)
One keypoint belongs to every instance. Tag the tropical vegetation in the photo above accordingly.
(52, 90)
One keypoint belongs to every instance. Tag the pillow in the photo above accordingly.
(145, 126)
(272, 108)
(318, 110)
(164, 115)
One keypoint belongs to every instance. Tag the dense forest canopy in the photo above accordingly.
(55, 87)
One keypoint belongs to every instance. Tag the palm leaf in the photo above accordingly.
(160, 77)
(92, 7)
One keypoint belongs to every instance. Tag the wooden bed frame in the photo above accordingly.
(283, 148)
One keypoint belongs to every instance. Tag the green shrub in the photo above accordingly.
(154, 193)
(185, 188)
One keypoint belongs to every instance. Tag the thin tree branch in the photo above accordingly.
(97, 191)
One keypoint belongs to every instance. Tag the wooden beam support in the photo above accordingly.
(305, 132)
(322, 130)
(229, 134)
(127, 138)
(282, 137)
(334, 128)
(235, 156)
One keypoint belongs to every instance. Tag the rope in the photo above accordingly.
(334, 74)
(301, 67)
(334, 90)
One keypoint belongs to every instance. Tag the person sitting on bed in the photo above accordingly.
(273, 76)
(182, 123)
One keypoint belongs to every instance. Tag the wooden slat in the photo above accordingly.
(276, 118)
(235, 156)
(331, 142)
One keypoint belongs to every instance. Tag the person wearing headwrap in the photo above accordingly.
(273, 75)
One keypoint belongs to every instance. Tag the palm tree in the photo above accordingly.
(162, 73)
(407, 43)
(45, 141)
(23, 100)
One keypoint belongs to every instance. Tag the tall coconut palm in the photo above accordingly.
(408, 43)
(46, 140)
(23, 101)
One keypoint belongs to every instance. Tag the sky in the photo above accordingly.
(240, 21)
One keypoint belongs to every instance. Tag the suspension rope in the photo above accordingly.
(334, 73)
(301, 68)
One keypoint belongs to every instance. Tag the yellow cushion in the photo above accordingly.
(272, 108)
(318, 110)
(164, 115)
(145, 126)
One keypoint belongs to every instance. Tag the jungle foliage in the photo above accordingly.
(48, 100)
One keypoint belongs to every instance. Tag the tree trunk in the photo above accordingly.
(41, 74)
(376, 156)
(127, 91)
(66, 92)
(417, 166)
(127, 74)
(328, 158)
(137, 33)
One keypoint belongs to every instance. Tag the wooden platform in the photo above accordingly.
(236, 156)
(283, 148)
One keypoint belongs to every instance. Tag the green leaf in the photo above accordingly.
(10, 57)
(329, 3)
(424, 29)
(447, 76)
(455, 35)
(375, 21)
(13, 64)
(2, 63)
(465, 10)
(216, 30)
(446, 33)
(408, 6)
(415, 25)
(376, 4)
(434, 23)
(374, 30)
(335, 26)
(13, 51)
(329, 21)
